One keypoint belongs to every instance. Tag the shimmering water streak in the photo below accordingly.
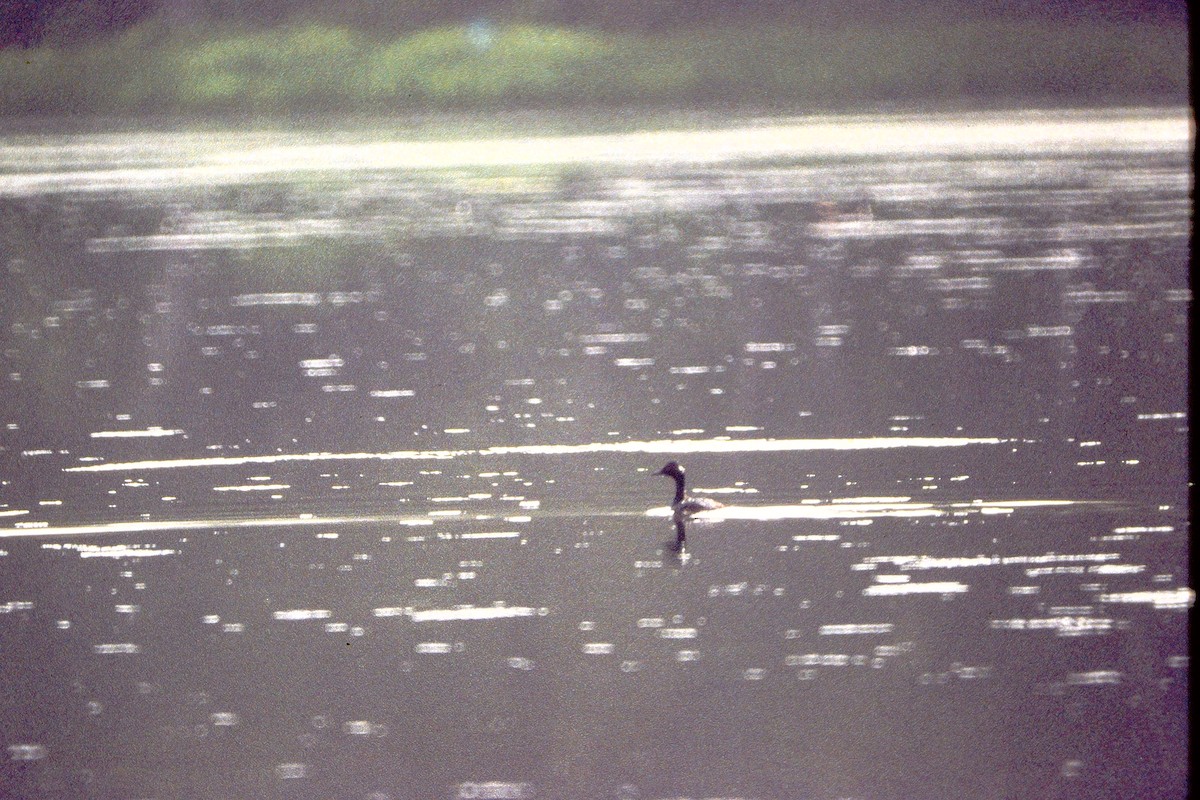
(924, 562)
(836, 509)
(224, 159)
(227, 461)
(1179, 598)
(728, 445)
(302, 614)
(469, 613)
(894, 589)
(27, 752)
(114, 551)
(873, 628)
(833, 510)
(152, 432)
(660, 446)
(257, 487)
(145, 526)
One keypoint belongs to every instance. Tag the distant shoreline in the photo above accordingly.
(309, 72)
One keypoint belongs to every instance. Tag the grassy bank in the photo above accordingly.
(306, 68)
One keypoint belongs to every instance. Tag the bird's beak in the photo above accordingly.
(662, 471)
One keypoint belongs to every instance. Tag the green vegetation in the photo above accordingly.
(312, 67)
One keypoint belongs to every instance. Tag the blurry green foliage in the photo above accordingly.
(452, 66)
(309, 66)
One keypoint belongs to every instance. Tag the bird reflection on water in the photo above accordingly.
(679, 546)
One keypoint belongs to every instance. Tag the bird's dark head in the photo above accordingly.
(672, 469)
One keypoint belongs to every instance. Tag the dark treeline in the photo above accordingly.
(29, 23)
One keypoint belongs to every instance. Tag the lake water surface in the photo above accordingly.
(327, 460)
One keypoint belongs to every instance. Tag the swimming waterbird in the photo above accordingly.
(682, 505)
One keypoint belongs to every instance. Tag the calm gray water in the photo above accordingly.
(327, 461)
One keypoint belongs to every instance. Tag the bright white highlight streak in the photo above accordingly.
(678, 633)
(1181, 598)
(143, 526)
(233, 461)
(256, 487)
(117, 648)
(811, 511)
(471, 613)
(850, 629)
(222, 159)
(937, 587)
(152, 431)
(112, 550)
(659, 446)
(845, 511)
(123, 551)
(302, 613)
(1008, 504)
(666, 446)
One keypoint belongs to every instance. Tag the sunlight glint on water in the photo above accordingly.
(327, 461)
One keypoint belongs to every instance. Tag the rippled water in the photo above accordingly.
(327, 461)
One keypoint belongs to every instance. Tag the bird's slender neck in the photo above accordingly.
(678, 487)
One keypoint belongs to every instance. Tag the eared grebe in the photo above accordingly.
(682, 505)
